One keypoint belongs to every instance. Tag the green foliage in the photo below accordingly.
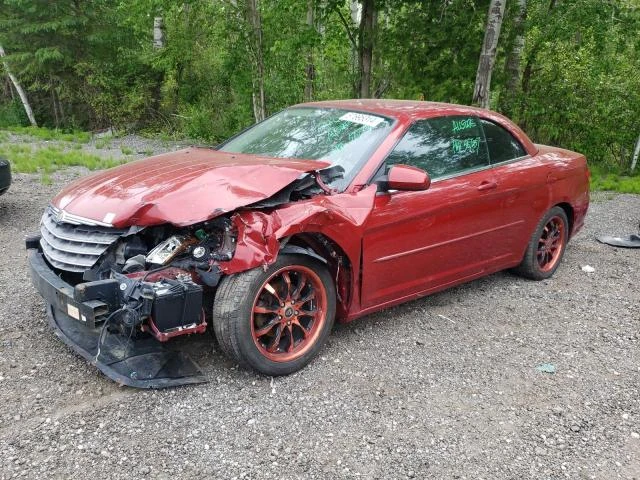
(602, 179)
(12, 114)
(91, 64)
(431, 49)
(582, 88)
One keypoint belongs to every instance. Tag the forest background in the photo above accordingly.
(567, 71)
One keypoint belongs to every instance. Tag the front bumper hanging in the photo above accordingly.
(140, 362)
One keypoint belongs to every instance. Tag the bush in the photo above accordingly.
(12, 114)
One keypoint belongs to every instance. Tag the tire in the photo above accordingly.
(269, 324)
(546, 247)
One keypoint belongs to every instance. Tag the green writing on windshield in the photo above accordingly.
(468, 145)
(460, 125)
(344, 132)
(336, 131)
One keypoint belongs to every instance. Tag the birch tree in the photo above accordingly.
(636, 153)
(255, 22)
(482, 90)
(366, 34)
(310, 69)
(514, 58)
(18, 87)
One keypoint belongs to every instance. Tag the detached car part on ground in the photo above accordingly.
(5, 175)
(324, 211)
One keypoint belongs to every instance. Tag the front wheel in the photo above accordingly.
(546, 247)
(275, 320)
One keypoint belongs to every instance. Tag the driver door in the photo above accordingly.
(416, 242)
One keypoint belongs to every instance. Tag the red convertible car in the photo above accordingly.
(325, 211)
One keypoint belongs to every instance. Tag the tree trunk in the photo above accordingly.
(255, 21)
(21, 94)
(54, 105)
(310, 70)
(636, 153)
(482, 88)
(158, 76)
(366, 35)
(158, 33)
(512, 65)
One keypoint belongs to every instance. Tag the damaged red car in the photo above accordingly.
(325, 211)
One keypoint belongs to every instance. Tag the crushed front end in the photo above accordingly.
(116, 296)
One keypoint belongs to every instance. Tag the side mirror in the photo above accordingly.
(406, 177)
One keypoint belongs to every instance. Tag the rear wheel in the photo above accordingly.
(275, 321)
(546, 247)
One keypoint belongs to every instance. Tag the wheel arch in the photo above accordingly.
(324, 248)
(568, 210)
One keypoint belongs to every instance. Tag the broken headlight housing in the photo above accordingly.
(167, 250)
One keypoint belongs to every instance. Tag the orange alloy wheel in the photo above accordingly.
(288, 313)
(551, 244)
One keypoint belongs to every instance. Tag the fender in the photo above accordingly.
(260, 233)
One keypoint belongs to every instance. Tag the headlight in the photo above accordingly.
(166, 251)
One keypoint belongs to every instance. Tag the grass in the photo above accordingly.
(65, 152)
(47, 160)
(42, 133)
(622, 182)
(103, 143)
(126, 150)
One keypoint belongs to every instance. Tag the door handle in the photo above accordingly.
(487, 185)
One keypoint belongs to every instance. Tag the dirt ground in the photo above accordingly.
(443, 387)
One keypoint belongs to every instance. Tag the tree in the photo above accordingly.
(18, 87)
(570, 73)
(482, 88)
(366, 35)
(255, 21)
(310, 69)
(514, 60)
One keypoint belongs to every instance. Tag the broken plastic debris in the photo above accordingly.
(588, 269)
(546, 368)
(628, 241)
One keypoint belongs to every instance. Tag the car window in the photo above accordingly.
(442, 146)
(501, 144)
(341, 137)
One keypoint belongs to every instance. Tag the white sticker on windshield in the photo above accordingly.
(362, 119)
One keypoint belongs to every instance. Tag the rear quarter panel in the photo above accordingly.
(568, 181)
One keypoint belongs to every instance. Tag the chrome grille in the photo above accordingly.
(74, 247)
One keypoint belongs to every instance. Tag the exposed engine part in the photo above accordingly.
(305, 187)
(135, 247)
(176, 305)
(167, 307)
(196, 250)
(134, 264)
(210, 278)
(217, 243)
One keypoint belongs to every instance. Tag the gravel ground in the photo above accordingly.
(443, 387)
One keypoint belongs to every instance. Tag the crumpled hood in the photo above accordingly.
(181, 188)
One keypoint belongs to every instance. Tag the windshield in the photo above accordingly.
(341, 137)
